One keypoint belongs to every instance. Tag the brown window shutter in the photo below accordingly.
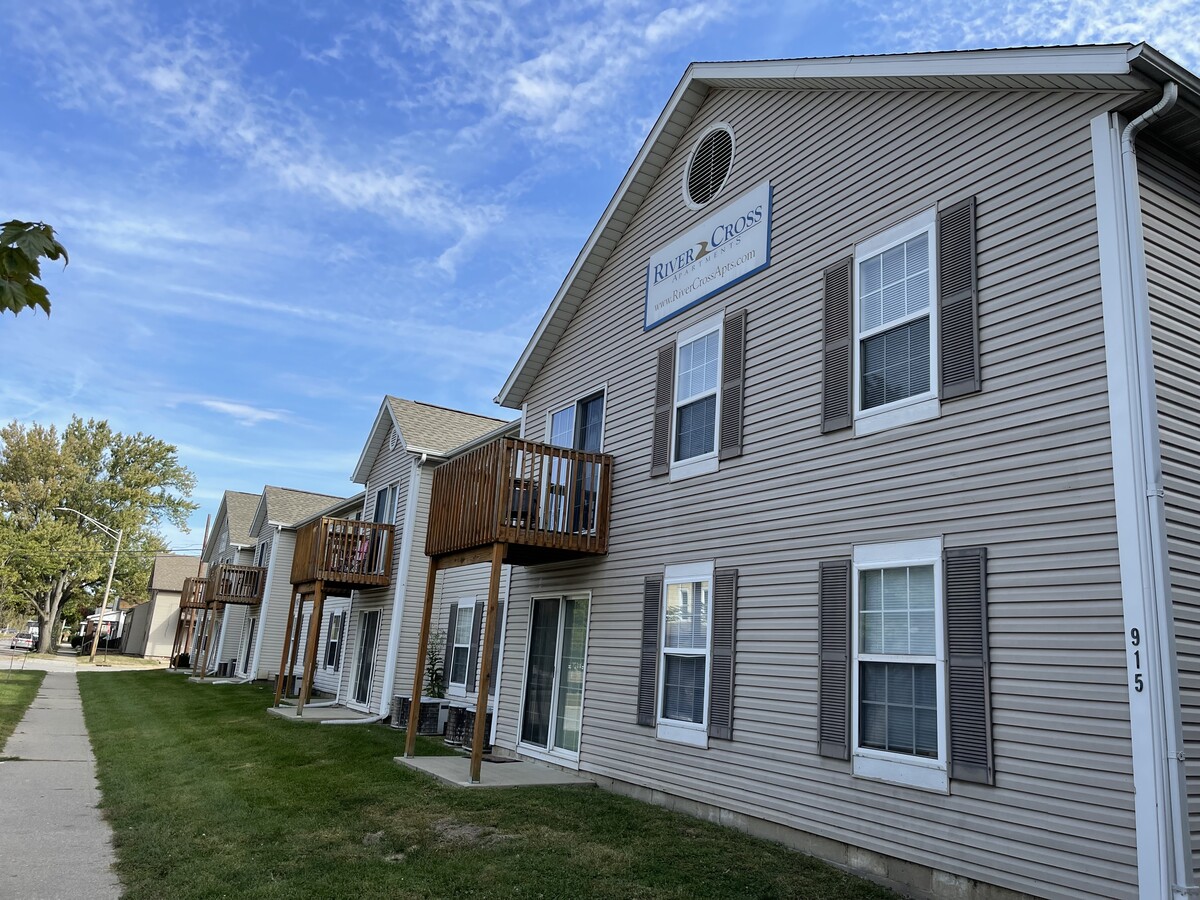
(837, 407)
(473, 656)
(834, 643)
(958, 311)
(496, 648)
(720, 699)
(969, 702)
(664, 395)
(647, 698)
(733, 369)
(448, 657)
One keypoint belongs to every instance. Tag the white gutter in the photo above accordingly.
(1160, 801)
(252, 672)
(410, 518)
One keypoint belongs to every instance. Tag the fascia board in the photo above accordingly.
(1146, 60)
(374, 444)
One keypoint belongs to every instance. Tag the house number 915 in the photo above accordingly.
(1139, 681)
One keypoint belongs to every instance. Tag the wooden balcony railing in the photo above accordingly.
(193, 594)
(547, 503)
(239, 585)
(343, 552)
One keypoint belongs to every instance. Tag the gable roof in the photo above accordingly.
(424, 429)
(1114, 67)
(339, 510)
(287, 506)
(170, 569)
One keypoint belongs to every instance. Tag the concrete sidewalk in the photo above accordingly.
(53, 841)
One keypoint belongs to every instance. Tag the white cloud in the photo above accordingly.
(243, 413)
(191, 87)
(1172, 26)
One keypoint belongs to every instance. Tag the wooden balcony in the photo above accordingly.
(343, 553)
(547, 504)
(193, 593)
(236, 585)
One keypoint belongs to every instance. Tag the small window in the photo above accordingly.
(385, 505)
(263, 553)
(709, 166)
(895, 319)
(333, 642)
(686, 649)
(899, 694)
(697, 399)
(460, 653)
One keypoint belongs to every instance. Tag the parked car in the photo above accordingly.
(23, 641)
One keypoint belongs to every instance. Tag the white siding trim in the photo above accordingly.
(1129, 366)
(266, 602)
(409, 526)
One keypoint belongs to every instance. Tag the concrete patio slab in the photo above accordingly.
(456, 771)
(317, 714)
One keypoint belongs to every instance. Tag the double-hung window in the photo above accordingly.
(333, 641)
(460, 645)
(895, 321)
(686, 651)
(899, 695)
(697, 399)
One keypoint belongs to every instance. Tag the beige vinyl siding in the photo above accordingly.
(328, 680)
(390, 467)
(1171, 227)
(273, 622)
(1022, 468)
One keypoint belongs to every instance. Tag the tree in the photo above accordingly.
(22, 246)
(131, 482)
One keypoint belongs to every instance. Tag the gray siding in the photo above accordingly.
(273, 621)
(1171, 226)
(1023, 468)
(390, 467)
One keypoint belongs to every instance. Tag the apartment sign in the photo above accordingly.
(731, 244)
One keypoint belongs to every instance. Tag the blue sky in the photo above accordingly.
(279, 210)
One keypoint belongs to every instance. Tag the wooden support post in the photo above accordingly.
(414, 707)
(287, 637)
(206, 630)
(310, 652)
(485, 662)
(295, 641)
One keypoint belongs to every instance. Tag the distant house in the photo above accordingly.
(363, 576)
(150, 627)
(857, 505)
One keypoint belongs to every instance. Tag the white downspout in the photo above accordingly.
(252, 672)
(1163, 846)
(1171, 787)
(410, 518)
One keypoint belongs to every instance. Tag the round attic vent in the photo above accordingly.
(394, 440)
(709, 166)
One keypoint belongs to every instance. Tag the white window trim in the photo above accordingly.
(882, 765)
(556, 755)
(919, 407)
(459, 688)
(574, 402)
(694, 734)
(706, 463)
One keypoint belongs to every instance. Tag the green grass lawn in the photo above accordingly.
(211, 797)
(17, 690)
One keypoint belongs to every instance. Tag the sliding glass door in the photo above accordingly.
(364, 658)
(552, 711)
